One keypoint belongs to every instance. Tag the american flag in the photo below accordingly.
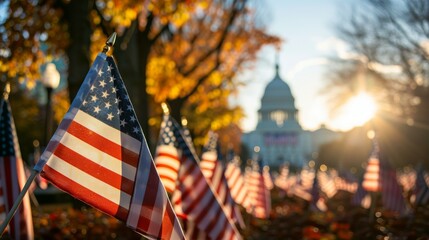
(317, 202)
(214, 172)
(421, 189)
(391, 192)
(235, 180)
(361, 197)
(193, 198)
(100, 156)
(12, 178)
(371, 178)
(259, 195)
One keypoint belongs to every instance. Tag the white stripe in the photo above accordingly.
(107, 131)
(99, 157)
(93, 184)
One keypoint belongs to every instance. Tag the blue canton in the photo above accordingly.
(6, 137)
(108, 100)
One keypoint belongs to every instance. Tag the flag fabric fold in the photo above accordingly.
(193, 198)
(12, 178)
(99, 155)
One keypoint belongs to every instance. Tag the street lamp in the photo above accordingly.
(50, 79)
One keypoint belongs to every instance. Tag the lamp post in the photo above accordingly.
(50, 79)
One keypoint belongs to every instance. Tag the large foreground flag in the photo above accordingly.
(12, 178)
(193, 198)
(100, 156)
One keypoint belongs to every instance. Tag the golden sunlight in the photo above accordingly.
(358, 110)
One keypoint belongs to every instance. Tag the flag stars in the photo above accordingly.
(109, 68)
(109, 116)
(136, 130)
(107, 105)
(123, 122)
(84, 102)
(129, 107)
(133, 119)
(100, 72)
(112, 78)
(94, 98)
(102, 83)
(120, 111)
(97, 109)
(114, 89)
(105, 94)
(117, 100)
(93, 87)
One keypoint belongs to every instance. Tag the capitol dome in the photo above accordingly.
(278, 106)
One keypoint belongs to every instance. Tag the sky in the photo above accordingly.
(308, 30)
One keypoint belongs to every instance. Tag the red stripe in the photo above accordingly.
(103, 144)
(168, 226)
(80, 192)
(9, 189)
(97, 171)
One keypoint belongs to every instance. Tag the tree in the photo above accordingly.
(187, 53)
(390, 60)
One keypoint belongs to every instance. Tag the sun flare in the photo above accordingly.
(356, 111)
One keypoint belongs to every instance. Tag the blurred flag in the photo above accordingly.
(327, 184)
(193, 198)
(235, 180)
(12, 177)
(361, 197)
(317, 202)
(421, 189)
(100, 156)
(371, 178)
(391, 192)
(260, 197)
(267, 178)
(213, 170)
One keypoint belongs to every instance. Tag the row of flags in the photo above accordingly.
(99, 155)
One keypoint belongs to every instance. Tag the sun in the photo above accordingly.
(358, 110)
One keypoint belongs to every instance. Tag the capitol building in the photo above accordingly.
(278, 134)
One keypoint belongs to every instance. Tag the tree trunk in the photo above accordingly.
(76, 14)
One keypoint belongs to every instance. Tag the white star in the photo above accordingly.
(136, 130)
(108, 105)
(109, 68)
(109, 116)
(129, 108)
(102, 83)
(94, 98)
(84, 102)
(93, 87)
(114, 89)
(123, 122)
(133, 119)
(105, 94)
(96, 109)
(117, 100)
(100, 72)
(112, 79)
(120, 111)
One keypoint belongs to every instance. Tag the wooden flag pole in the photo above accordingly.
(18, 201)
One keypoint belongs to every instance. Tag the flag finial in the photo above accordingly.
(6, 90)
(165, 108)
(110, 42)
